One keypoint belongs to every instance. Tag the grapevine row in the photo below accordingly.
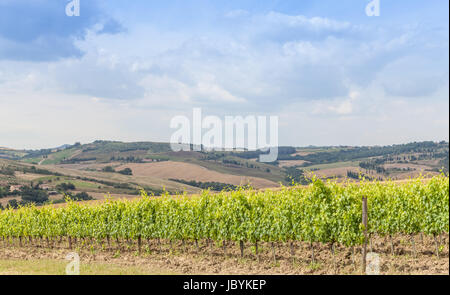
(325, 212)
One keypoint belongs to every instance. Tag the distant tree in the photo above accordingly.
(295, 175)
(83, 196)
(13, 204)
(126, 171)
(108, 169)
(4, 191)
(7, 171)
(354, 175)
(32, 194)
(215, 186)
(64, 187)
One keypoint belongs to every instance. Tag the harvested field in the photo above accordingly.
(414, 174)
(27, 176)
(178, 170)
(71, 171)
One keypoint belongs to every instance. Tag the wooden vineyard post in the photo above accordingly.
(139, 245)
(364, 221)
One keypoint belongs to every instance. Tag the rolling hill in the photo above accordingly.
(123, 169)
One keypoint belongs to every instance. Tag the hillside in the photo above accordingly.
(123, 169)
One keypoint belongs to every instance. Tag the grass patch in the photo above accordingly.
(58, 267)
(333, 165)
(32, 160)
(57, 157)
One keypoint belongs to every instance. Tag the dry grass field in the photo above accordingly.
(186, 171)
(336, 172)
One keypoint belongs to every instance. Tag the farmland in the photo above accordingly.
(95, 168)
(188, 171)
(323, 217)
(311, 227)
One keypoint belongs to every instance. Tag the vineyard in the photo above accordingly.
(323, 212)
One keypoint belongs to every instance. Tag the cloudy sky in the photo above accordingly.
(122, 69)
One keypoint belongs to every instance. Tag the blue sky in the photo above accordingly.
(123, 69)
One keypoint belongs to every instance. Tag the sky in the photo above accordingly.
(121, 70)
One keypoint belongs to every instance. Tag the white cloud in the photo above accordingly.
(339, 106)
(331, 79)
(412, 76)
(313, 23)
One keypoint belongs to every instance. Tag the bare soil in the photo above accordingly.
(210, 259)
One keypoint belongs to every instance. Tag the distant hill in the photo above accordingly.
(122, 168)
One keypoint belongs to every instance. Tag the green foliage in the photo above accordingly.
(83, 196)
(108, 169)
(4, 191)
(9, 171)
(126, 171)
(33, 194)
(64, 187)
(214, 186)
(101, 146)
(322, 212)
(13, 204)
(35, 170)
(294, 175)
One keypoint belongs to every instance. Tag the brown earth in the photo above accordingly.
(83, 166)
(413, 174)
(186, 171)
(291, 163)
(338, 172)
(27, 176)
(211, 259)
(4, 201)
